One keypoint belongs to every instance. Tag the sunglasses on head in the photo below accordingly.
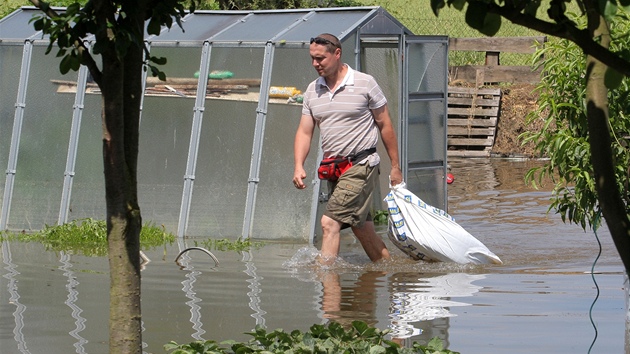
(322, 41)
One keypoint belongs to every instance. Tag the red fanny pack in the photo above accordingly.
(333, 167)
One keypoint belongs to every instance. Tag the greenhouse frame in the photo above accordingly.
(216, 155)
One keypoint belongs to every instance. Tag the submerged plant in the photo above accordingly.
(333, 338)
(238, 245)
(86, 236)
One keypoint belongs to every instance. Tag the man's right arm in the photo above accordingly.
(301, 147)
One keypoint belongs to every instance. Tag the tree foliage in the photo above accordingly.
(562, 97)
(589, 135)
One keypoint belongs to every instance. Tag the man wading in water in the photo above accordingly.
(350, 110)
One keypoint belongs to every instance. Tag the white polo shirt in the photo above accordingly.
(344, 117)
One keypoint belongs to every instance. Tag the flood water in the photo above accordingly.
(542, 299)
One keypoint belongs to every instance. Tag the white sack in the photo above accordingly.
(428, 233)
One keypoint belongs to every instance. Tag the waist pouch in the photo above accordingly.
(333, 167)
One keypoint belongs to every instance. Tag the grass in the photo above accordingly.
(86, 236)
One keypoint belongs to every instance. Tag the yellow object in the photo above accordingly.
(283, 91)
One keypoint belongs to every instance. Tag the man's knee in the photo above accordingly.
(329, 224)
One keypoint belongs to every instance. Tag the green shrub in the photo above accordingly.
(360, 339)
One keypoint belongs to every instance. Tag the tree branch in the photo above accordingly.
(570, 32)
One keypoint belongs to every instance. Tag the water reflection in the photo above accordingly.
(416, 298)
(254, 286)
(195, 313)
(73, 296)
(18, 314)
(418, 302)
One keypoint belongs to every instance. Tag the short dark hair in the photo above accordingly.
(327, 39)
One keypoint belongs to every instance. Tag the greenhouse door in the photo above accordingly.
(424, 117)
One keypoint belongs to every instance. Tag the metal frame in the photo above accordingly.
(364, 29)
(20, 104)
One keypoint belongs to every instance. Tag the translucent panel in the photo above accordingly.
(292, 67)
(10, 62)
(258, 28)
(220, 189)
(325, 21)
(426, 131)
(199, 26)
(243, 63)
(427, 67)
(43, 146)
(383, 64)
(225, 150)
(423, 183)
(282, 211)
(181, 62)
(164, 139)
(382, 24)
(88, 187)
(17, 26)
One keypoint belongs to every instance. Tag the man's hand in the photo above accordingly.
(395, 176)
(298, 178)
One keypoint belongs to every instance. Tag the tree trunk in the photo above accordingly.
(610, 199)
(122, 91)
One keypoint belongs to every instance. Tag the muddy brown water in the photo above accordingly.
(542, 299)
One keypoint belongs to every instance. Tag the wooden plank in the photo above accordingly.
(468, 153)
(497, 44)
(468, 101)
(496, 73)
(473, 90)
(192, 81)
(470, 141)
(489, 122)
(473, 112)
(469, 131)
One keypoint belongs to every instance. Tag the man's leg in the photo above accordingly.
(330, 240)
(371, 242)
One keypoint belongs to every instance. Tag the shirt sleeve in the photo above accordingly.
(376, 97)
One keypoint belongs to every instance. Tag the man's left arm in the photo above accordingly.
(388, 135)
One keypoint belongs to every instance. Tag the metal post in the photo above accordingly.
(68, 176)
(195, 136)
(259, 133)
(15, 135)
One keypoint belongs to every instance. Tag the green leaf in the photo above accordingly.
(377, 349)
(612, 79)
(73, 9)
(608, 8)
(154, 27)
(458, 4)
(65, 65)
(491, 24)
(360, 326)
(436, 6)
(159, 60)
(476, 14)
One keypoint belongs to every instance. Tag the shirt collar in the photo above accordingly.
(347, 80)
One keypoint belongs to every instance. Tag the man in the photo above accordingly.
(350, 110)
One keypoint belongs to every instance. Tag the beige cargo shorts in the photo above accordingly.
(350, 199)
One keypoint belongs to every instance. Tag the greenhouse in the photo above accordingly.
(216, 138)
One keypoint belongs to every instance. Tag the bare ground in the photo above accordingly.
(517, 102)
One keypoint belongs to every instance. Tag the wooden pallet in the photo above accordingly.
(473, 114)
